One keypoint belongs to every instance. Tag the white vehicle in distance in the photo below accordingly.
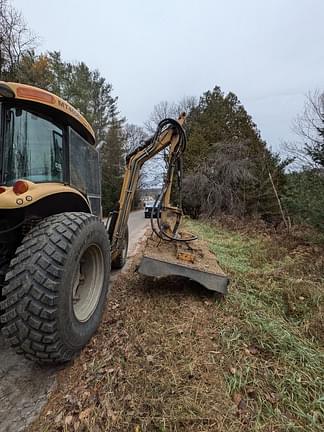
(149, 208)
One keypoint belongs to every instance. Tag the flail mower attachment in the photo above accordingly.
(196, 263)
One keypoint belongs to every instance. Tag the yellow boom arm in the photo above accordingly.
(169, 137)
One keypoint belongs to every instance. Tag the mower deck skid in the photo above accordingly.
(191, 261)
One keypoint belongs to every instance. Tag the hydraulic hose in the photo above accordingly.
(174, 162)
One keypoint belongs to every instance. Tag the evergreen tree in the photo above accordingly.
(219, 121)
(304, 197)
(76, 83)
(112, 164)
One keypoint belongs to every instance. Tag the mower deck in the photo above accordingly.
(188, 260)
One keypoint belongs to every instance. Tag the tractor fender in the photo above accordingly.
(36, 192)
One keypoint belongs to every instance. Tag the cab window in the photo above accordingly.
(33, 147)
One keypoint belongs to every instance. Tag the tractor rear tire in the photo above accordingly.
(56, 287)
(119, 262)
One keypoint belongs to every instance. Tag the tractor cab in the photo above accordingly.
(46, 154)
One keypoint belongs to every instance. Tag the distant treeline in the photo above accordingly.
(228, 168)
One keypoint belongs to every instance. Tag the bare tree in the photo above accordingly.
(309, 126)
(217, 185)
(310, 123)
(135, 136)
(160, 111)
(298, 154)
(152, 171)
(155, 168)
(186, 104)
(166, 109)
(16, 39)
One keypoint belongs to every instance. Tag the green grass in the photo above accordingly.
(274, 306)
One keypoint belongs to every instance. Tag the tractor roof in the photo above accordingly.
(34, 94)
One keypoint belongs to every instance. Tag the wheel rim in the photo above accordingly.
(88, 283)
(124, 250)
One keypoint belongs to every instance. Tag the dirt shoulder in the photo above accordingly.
(153, 364)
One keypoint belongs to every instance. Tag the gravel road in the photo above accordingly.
(24, 386)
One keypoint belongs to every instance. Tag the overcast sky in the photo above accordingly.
(269, 52)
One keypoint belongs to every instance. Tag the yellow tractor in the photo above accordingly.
(55, 250)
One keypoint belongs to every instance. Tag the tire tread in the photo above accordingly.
(31, 287)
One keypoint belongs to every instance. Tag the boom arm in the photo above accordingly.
(166, 136)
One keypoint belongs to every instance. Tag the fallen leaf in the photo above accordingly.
(272, 397)
(85, 413)
(251, 393)
(242, 405)
(253, 350)
(237, 397)
(150, 359)
(59, 418)
(68, 420)
(71, 399)
(233, 370)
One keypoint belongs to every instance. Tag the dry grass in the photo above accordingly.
(154, 364)
(170, 356)
(275, 333)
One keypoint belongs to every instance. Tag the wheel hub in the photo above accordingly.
(88, 283)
